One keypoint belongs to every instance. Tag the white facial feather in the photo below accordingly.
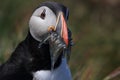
(39, 26)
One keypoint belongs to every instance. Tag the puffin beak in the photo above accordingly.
(61, 28)
(62, 31)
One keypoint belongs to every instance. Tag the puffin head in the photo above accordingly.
(49, 15)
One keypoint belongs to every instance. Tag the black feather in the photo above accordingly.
(27, 58)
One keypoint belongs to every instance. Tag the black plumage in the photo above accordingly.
(27, 58)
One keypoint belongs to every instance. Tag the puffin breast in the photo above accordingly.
(61, 73)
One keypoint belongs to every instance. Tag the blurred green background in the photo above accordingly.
(95, 25)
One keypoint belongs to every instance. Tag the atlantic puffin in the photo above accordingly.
(44, 53)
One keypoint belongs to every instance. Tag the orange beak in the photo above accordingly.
(64, 30)
(61, 28)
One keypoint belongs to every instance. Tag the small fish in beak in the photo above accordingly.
(59, 38)
(61, 28)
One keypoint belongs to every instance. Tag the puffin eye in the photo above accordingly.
(42, 15)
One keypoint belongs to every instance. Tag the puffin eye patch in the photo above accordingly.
(42, 15)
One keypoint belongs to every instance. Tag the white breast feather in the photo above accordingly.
(61, 73)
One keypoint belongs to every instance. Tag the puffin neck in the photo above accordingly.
(31, 41)
(42, 54)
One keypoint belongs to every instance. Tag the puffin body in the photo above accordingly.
(41, 56)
